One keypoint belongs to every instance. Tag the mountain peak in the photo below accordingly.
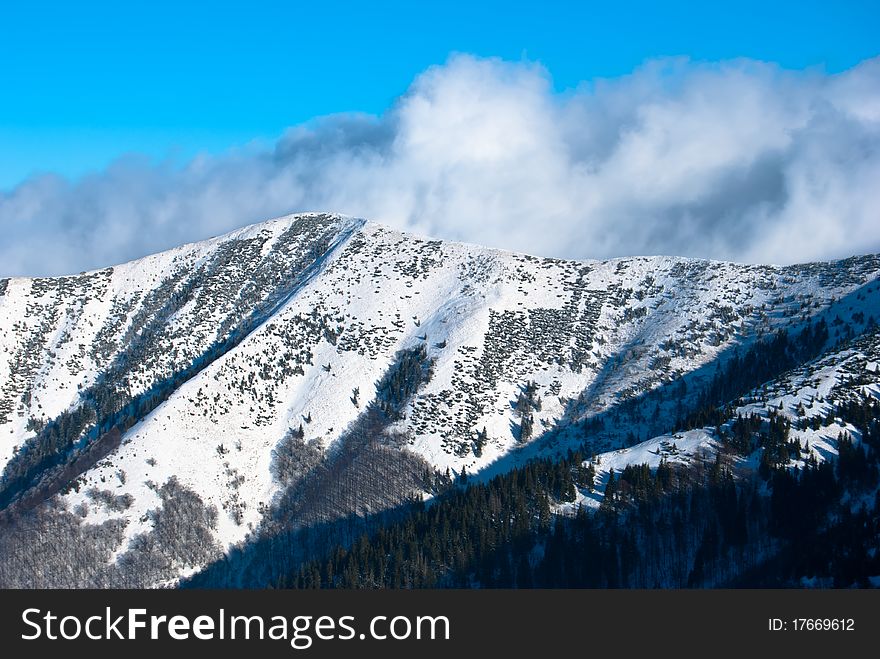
(237, 370)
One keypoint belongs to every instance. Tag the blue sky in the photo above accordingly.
(745, 131)
(82, 83)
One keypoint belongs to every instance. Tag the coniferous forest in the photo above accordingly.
(694, 526)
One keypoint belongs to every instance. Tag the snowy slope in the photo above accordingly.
(807, 397)
(292, 323)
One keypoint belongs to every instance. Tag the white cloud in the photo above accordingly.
(737, 160)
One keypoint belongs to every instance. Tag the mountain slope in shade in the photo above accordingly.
(319, 366)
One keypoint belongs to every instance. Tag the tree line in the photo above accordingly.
(673, 526)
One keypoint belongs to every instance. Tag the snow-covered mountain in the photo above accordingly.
(245, 378)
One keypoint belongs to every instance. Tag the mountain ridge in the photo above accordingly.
(459, 356)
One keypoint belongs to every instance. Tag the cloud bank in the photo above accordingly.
(737, 160)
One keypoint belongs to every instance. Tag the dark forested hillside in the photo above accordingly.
(695, 526)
